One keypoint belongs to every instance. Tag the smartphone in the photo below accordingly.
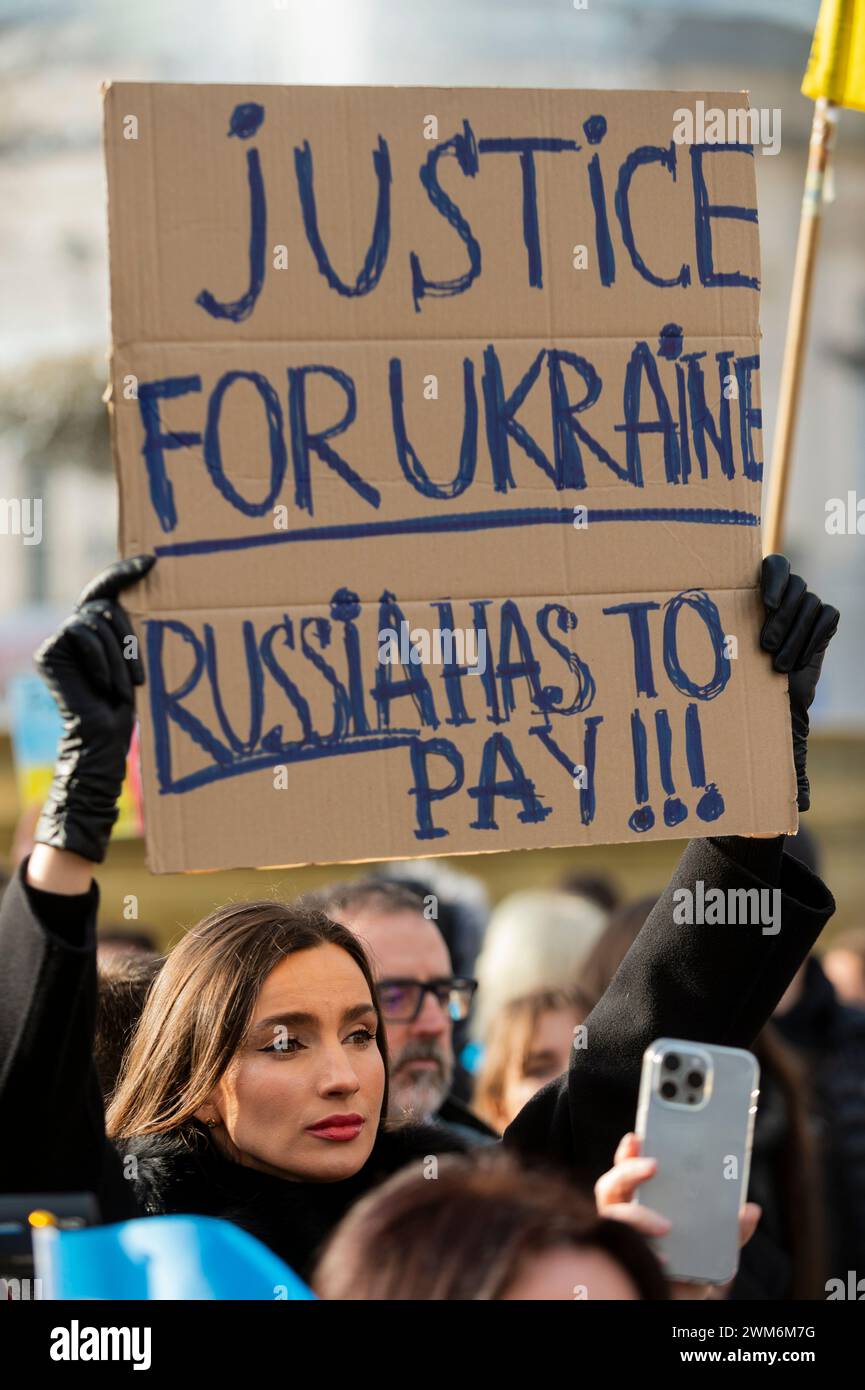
(695, 1115)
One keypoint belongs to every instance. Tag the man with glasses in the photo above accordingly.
(421, 998)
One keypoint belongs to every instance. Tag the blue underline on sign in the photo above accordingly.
(465, 521)
(291, 754)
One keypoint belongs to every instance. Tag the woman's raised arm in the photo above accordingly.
(51, 1113)
(686, 978)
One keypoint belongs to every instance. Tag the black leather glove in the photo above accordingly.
(90, 670)
(797, 631)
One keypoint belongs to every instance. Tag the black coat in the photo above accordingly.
(705, 983)
(293, 1218)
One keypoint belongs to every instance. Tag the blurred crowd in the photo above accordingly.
(482, 1009)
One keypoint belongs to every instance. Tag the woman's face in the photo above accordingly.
(310, 1056)
(547, 1056)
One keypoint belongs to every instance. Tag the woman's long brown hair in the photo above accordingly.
(200, 1007)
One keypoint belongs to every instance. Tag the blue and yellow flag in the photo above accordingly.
(836, 67)
(161, 1257)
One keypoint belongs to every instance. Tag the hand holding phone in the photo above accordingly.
(695, 1117)
(674, 1199)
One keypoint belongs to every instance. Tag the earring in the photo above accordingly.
(211, 1124)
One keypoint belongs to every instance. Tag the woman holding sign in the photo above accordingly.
(256, 1083)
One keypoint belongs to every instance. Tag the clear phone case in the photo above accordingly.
(701, 1135)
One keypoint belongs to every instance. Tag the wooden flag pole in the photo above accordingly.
(819, 156)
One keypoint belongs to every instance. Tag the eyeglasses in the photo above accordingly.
(402, 1000)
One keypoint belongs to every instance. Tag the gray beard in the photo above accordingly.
(417, 1097)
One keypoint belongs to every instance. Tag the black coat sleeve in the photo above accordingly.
(51, 1113)
(713, 984)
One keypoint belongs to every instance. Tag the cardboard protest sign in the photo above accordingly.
(441, 411)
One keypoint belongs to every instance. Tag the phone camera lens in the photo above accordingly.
(672, 1062)
(668, 1090)
(695, 1079)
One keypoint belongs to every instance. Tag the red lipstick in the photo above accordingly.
(338, 1128)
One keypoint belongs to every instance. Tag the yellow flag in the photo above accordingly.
(836, 67)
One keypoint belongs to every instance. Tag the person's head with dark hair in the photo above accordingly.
(595, 886)
(407, 952)
(456, 900)
(359, 895)
(124, 977)
(261, 1026)
(487, 1228)
(118, 939)
(611, 947)
(458, 903)
(528, 1043)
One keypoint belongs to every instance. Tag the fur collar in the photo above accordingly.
(184, 1171)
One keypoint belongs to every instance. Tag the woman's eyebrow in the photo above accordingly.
(295, 1020)
(300, 1020)
(358, 1011)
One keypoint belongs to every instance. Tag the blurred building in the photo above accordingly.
(53, 267)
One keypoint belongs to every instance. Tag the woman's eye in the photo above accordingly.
(283, 1045)
(361, 1037)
